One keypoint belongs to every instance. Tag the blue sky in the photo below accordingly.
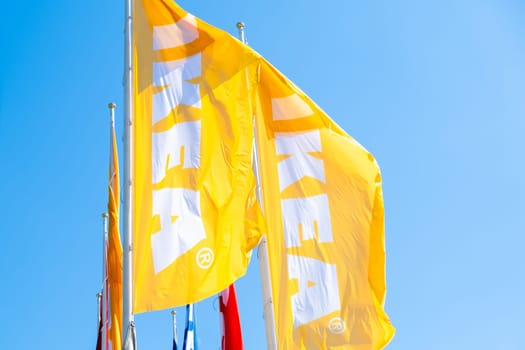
(434, 89)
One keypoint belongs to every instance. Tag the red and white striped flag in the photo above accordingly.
(230, 321)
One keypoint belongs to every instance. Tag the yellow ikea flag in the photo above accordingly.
(195, 212)
(323, 206)
(114, 252)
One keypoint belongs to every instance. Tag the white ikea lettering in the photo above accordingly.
(290, 107)
(181, 225)
(180, 33)
(167, 145)
(174, 76)
(318, 293)
(305, 218)
(300, 163)
(312, 214)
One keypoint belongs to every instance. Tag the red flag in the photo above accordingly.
(230, 322)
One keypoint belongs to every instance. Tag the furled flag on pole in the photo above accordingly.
(174, 315)
(230, 321)
(99, 333)
(130, 343)
(323, 207)
(190, 333)
(114, 251)
(196, 218)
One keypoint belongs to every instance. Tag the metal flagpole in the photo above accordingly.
(266, 282)
(127, 311)
(104, 281)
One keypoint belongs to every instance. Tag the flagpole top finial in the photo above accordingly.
(99, 295)
(173, 312)
(105, 215)
(240, 25)
(112, 105)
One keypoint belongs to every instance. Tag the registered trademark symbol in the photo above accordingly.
(205, 258)
(336, 325)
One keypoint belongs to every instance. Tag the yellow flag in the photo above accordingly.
(195, 213)
(323, 205)
(114, 257)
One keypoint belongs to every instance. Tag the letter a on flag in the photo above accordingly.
(323, 204)
(195, 213)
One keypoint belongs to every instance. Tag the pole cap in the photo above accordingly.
(105, 215)
(112, 105)
(174, 312)
(240, 25)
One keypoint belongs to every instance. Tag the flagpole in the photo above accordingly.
(104, 281)
(266, 282)
(127, 311)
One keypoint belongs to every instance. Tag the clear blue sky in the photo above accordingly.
(434, 89)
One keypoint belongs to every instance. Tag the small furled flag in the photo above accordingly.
(130, 342)
(190, 333)
(99, 333)
(230, 322)
(174, 314)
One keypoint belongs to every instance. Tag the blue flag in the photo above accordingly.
(190, 333)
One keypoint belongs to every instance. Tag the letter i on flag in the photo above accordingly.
(230, 321)
(190, 333)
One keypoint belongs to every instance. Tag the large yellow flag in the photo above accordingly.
(114, 252)
(324, 210)
(195, 213)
